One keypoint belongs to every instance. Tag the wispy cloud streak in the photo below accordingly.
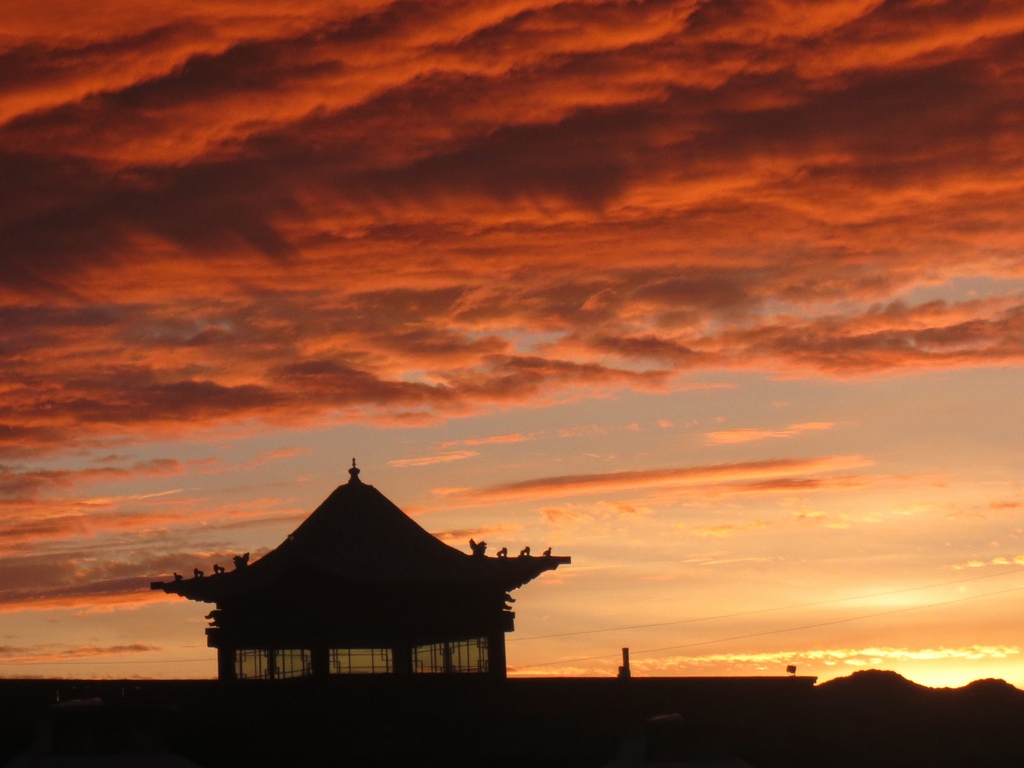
(441, 458)
(732, 436)
(611, 482)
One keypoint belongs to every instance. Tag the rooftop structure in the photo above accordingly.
(359, 587)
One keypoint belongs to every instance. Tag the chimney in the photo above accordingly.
(624, 669)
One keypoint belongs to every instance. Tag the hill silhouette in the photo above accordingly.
(880, 718)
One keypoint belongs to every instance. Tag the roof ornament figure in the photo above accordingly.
(353, 474)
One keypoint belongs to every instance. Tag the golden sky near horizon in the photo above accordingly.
(722, 298)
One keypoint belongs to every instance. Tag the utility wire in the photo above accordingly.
(104, 661)
(777, 631)
(659, 624)
(767, 610)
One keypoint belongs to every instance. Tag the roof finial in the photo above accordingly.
(353, 474)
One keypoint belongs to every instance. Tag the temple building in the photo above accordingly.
(359, 588)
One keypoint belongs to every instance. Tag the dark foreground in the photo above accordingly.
(869, 719)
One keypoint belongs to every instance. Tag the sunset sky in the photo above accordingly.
(722, 298)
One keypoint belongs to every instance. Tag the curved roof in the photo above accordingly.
(358, 537)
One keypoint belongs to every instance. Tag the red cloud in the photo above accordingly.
(518, 204)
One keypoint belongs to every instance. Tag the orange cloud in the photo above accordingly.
(611, 482)
(459, 538)
(11, 655)
(491, 440)
(95, 579)
(21, 485)
(90, 598)
(732, 436)
(442, 458)
(724, 530)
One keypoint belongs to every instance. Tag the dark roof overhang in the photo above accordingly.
(358, 538)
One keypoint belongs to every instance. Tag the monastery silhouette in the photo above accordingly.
(360, 588)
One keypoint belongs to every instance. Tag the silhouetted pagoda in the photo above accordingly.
(359, 587)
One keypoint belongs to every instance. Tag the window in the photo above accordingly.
(448, 657)
(360, 661)
(252, 664)
(292, 662)
(263, 664)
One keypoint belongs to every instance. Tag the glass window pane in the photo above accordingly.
(468, 656)
(292, 662)
(252, 664)
(360, 661)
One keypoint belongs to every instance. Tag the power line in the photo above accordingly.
(767, 610)
(75, 662)
(103, 661)
(777, 631)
